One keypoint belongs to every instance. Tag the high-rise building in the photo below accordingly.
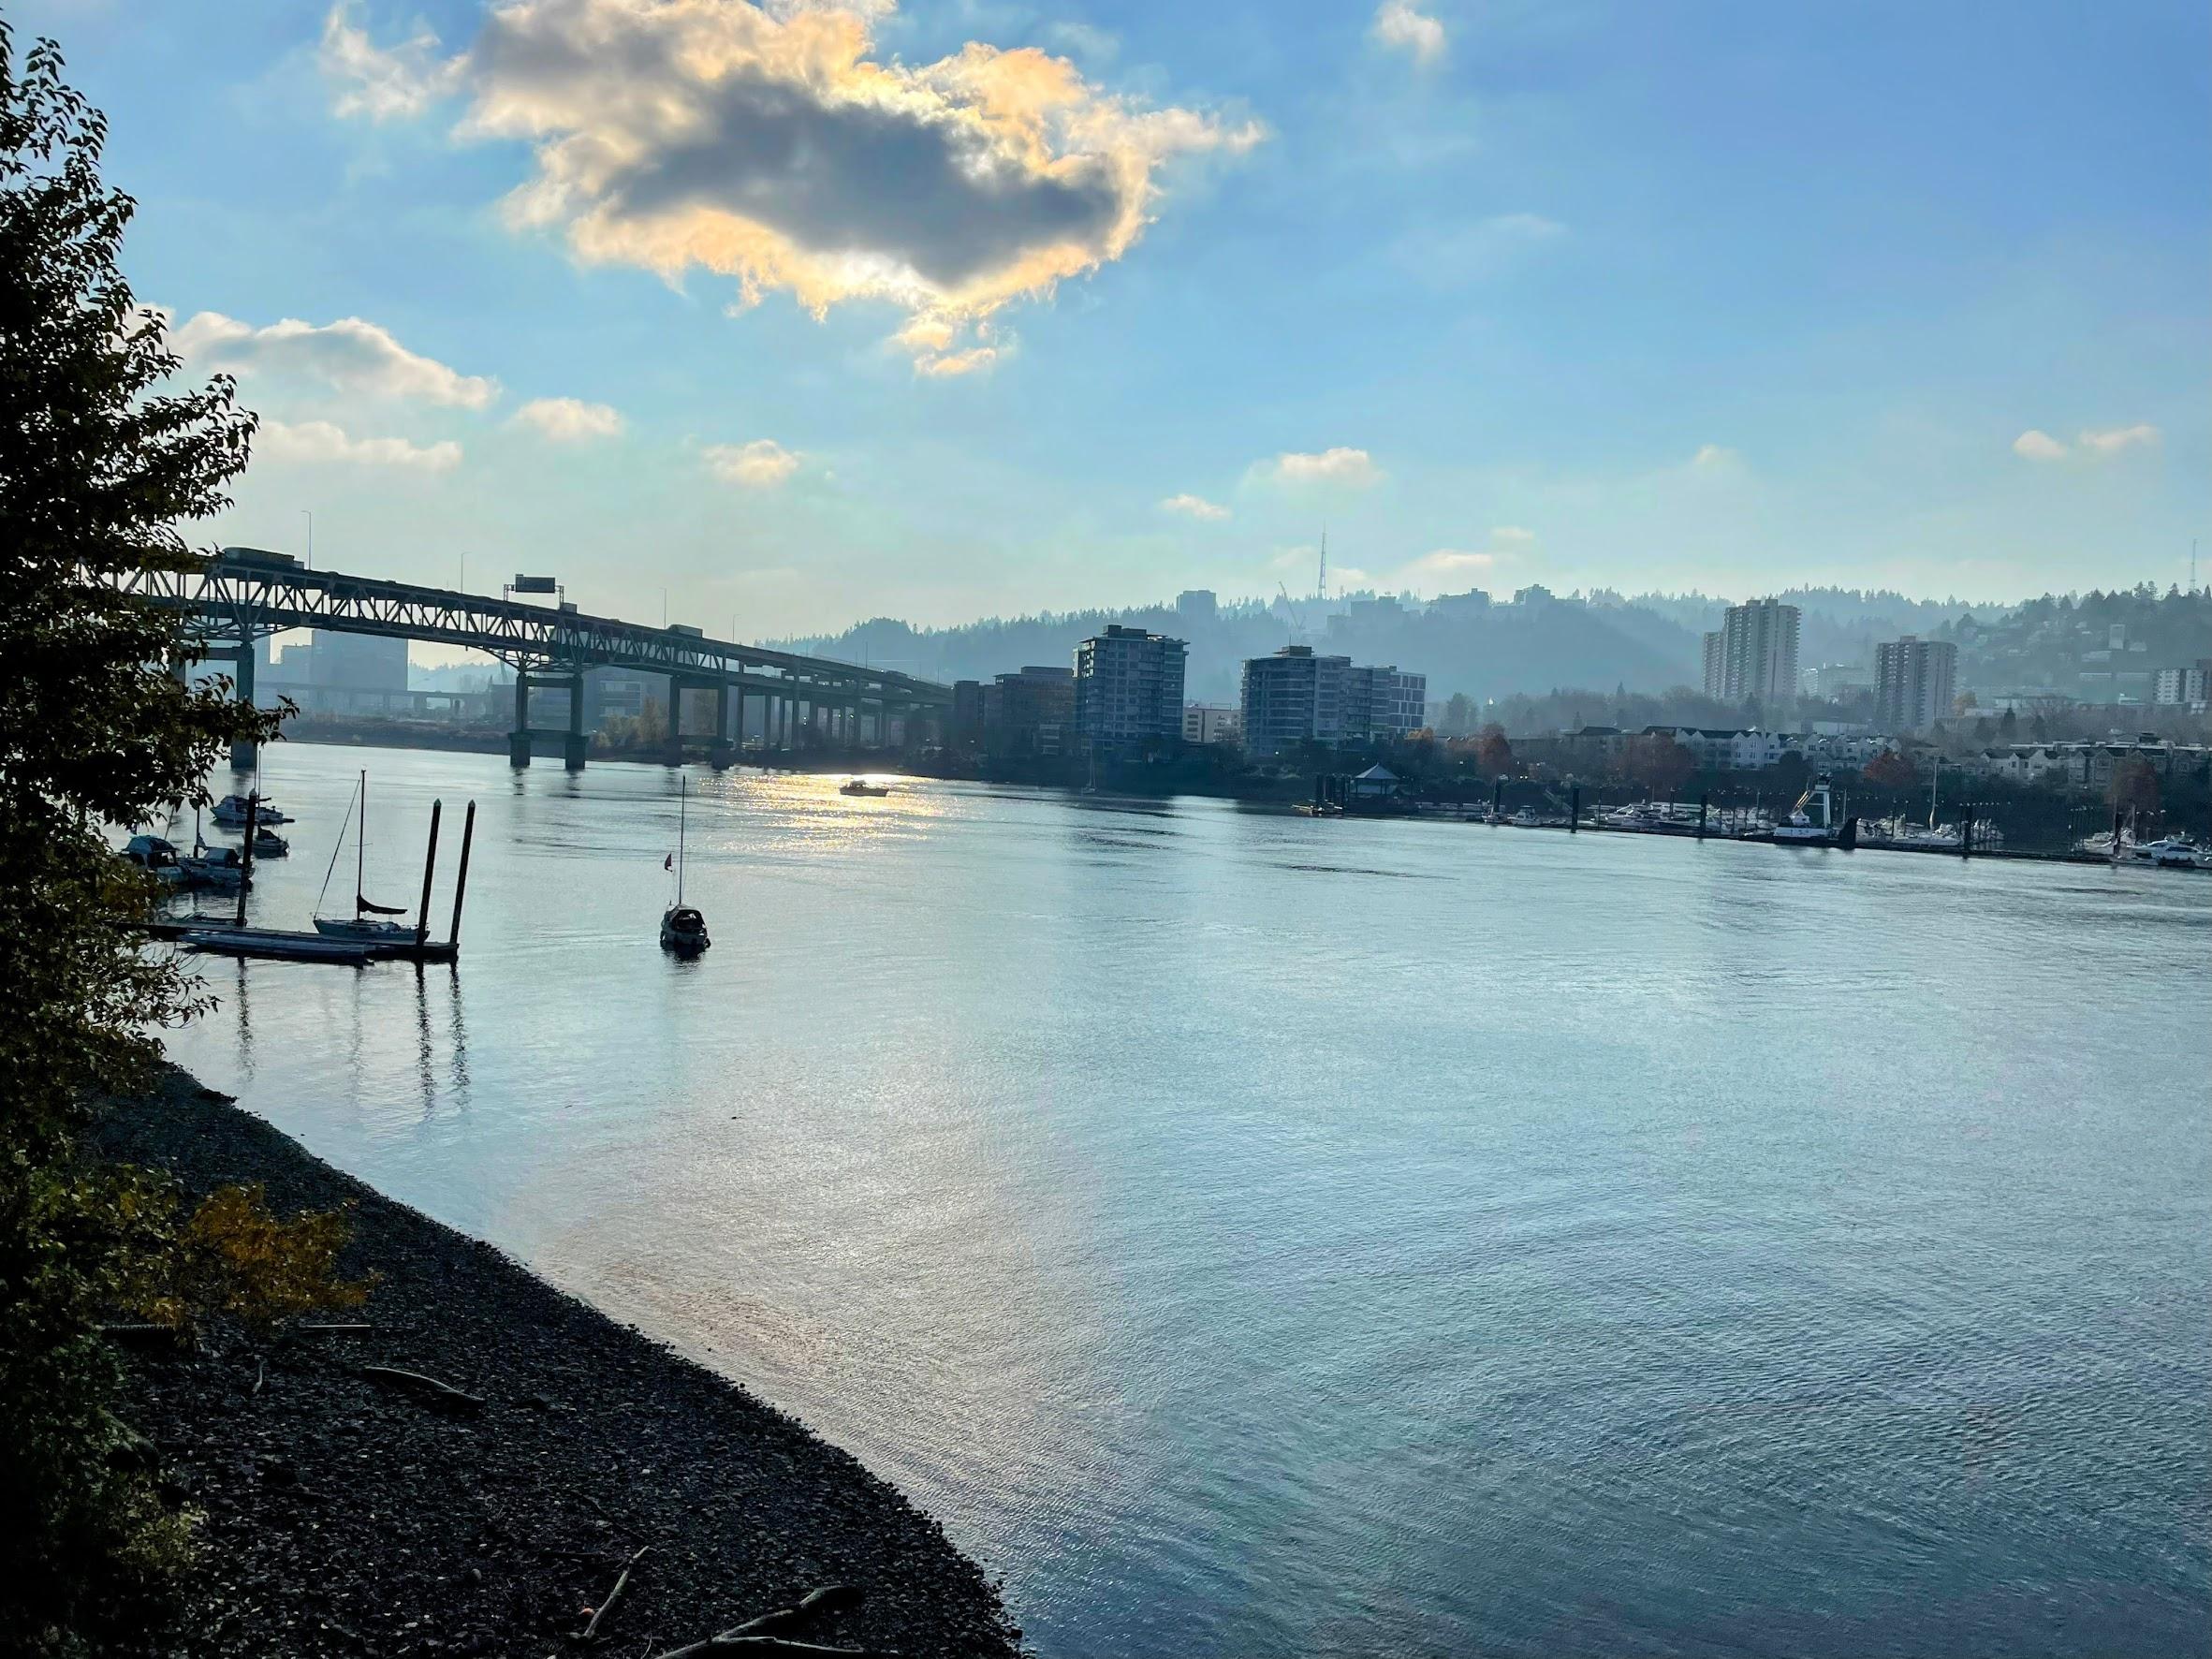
(1755, 654)
(1296, 697)
(1129, 688)
(1197, 606)
(1029, 714)
(1912, 682)
(2183, 687)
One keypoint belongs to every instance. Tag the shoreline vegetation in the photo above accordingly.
(468, 1463)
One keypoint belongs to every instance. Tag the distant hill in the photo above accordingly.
(1529, 645)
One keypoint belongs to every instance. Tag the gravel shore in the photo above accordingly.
(350, 1513)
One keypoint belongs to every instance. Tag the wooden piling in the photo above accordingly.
(429, 865)
(468, 836)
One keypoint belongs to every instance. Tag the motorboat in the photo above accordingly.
(156, 857)
(861, 787)
(1803, 829)
(219, 868)
(267, 843)
(2172, 852)
(683, 930)
(233, 812)
(369, 923)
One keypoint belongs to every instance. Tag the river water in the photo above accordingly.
(1257, 1236)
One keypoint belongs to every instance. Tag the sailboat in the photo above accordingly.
(683, 930)
(368, 920)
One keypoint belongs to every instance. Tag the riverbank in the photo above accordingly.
(348, 1512)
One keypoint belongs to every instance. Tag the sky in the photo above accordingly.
(772, 317)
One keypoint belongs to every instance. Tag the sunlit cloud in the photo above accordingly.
(762, 464)
(1403, 26)
(1196, 506)
(569, 420)
(323, 441)
(350, 355)
(1350, 469)
(1512, 533)
(1716, 458)
(765, 143)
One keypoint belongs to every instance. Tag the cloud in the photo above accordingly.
(1716, 458)
(349, 354)
(570, 421)
(2033, 445)
(1353, 469)
(764, 144)
(1512, 533)
(1196, 506)
(2113, 439)
(762, 464)
(320, 442)
(1450, 565)
(1403, 26)
(383, 83)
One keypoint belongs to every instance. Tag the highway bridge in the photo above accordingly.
(239, 595)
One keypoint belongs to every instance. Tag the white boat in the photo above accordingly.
(232, 812)
(1525, 818)
(2172, 852)
(369, 922)
(683, 930)
(861, 787)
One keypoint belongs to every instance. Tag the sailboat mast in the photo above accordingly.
(360, 846)
(683, 821)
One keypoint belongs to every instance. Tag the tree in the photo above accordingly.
(1889, 770)
(2134, 786)
(1660, 764)
(1458, 715)
(99, 464)
(1493, 752)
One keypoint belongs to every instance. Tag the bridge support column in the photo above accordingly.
(719, 752)
(576, 743)
(519, 739)
(246, 756)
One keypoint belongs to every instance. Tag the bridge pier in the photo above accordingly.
(574, 743)
(245, 756)
(518, 736)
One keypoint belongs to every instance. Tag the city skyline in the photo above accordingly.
(1501, 297)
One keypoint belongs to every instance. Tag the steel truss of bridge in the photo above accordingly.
(238, 596)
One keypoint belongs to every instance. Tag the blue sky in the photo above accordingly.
(1637, 295)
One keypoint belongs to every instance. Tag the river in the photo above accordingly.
(1259, 1236)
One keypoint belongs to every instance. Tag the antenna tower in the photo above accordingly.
(1321, 582)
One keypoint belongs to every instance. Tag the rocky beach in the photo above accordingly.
(472, 1462)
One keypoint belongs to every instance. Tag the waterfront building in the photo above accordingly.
(1293, 697)
(1385, 703)
(1912, 682)
(964, 730)
(1754, 652)
(1029, 715)
(1298, 697)
(1129, 688)
(1213, 722)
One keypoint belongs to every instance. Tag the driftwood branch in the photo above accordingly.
(755, 1636)
(444, 1395)
(622, 1582)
